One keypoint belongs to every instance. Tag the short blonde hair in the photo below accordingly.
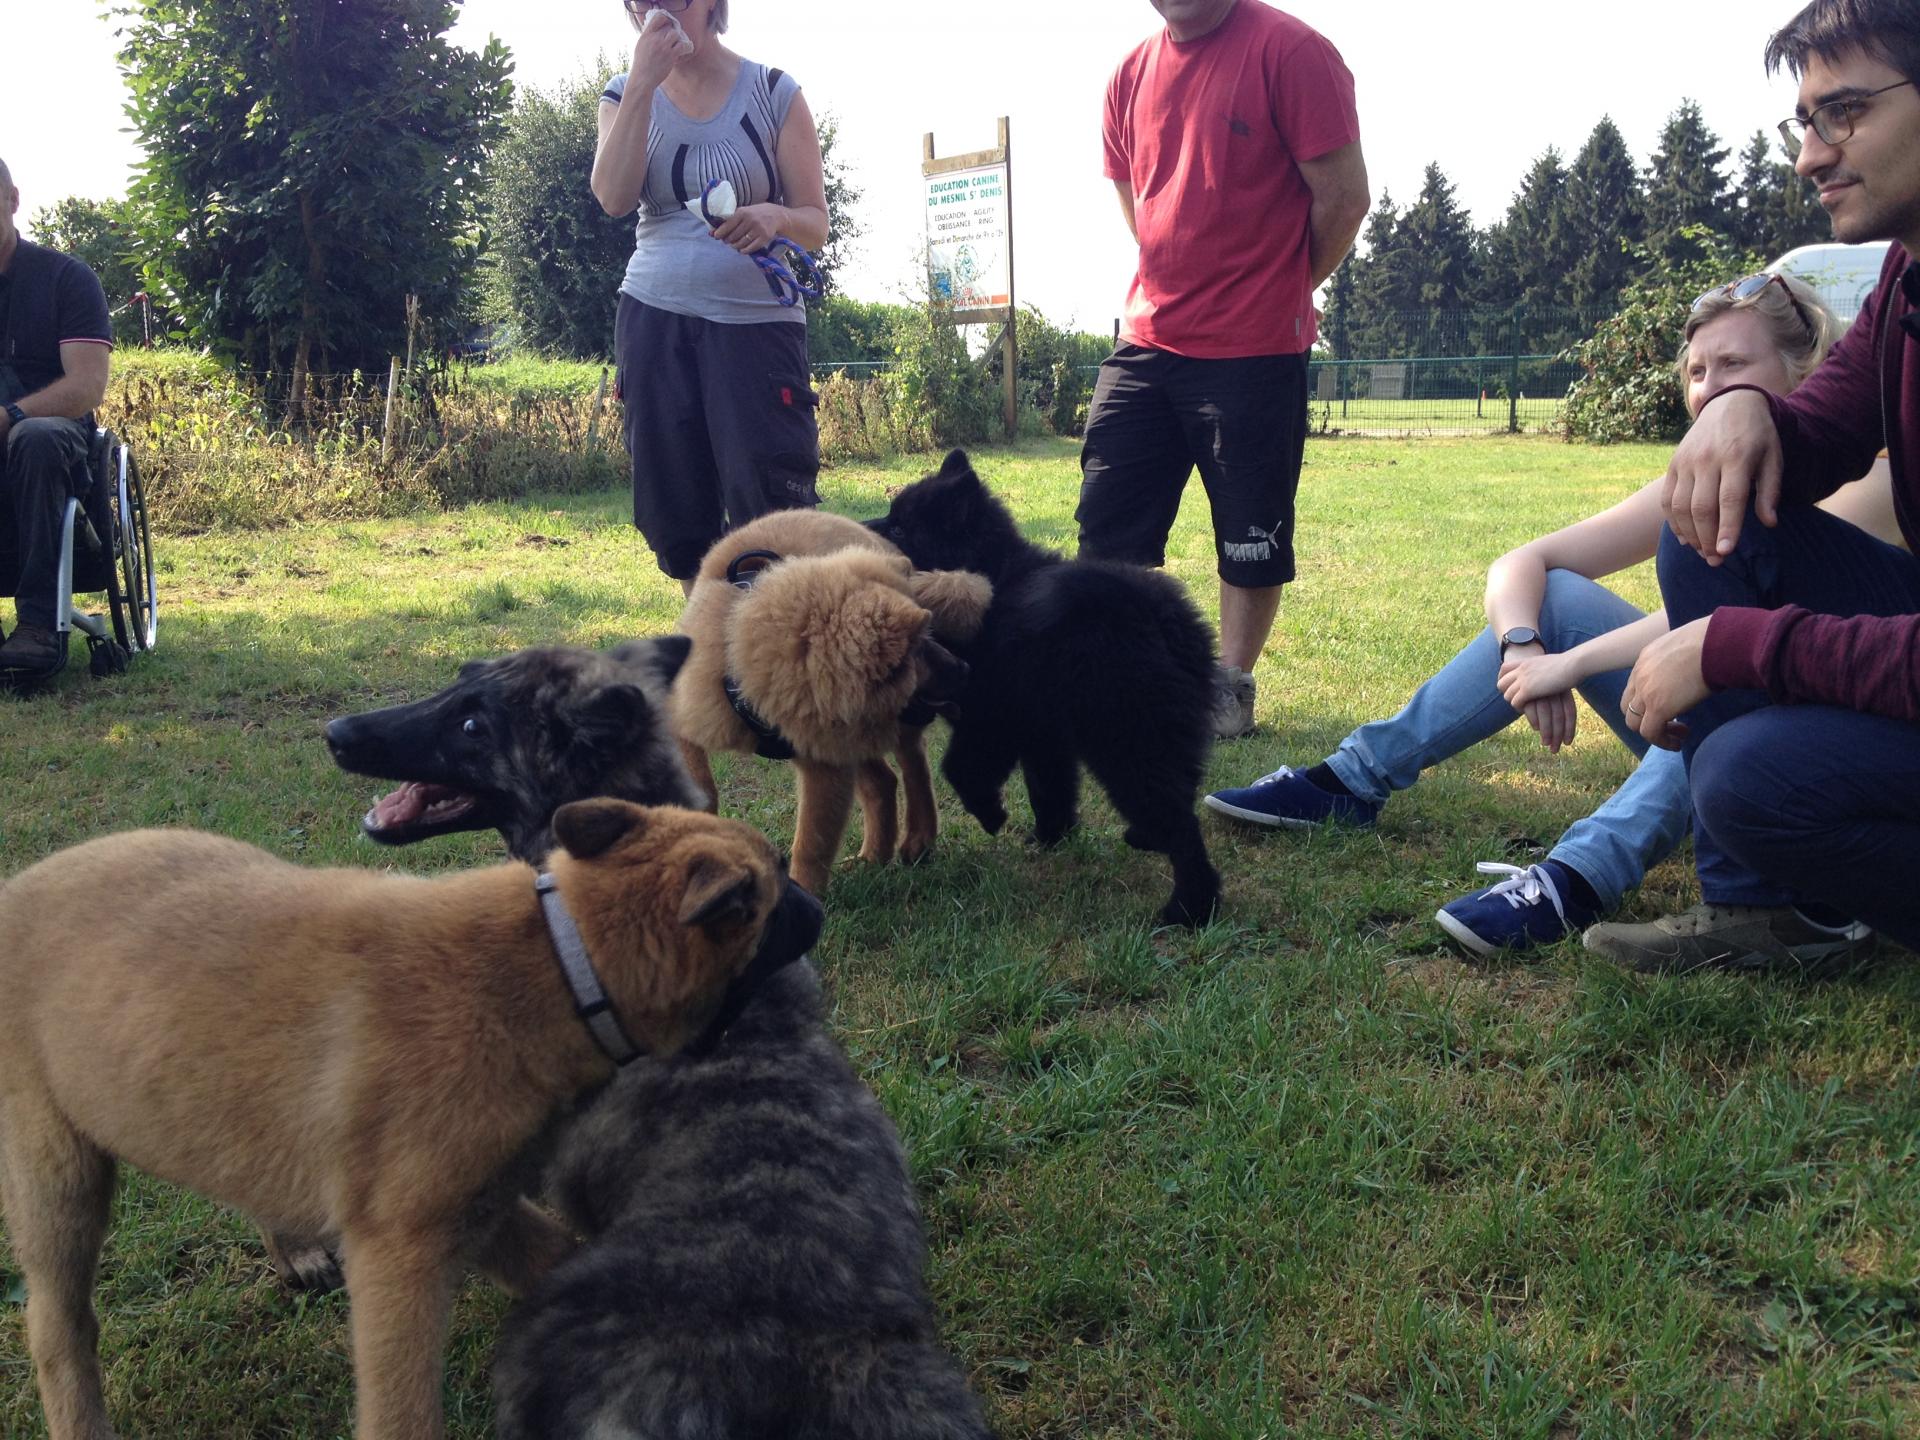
(1798, 322)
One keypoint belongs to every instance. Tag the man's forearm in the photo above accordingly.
(1332, 227)
(71, 397)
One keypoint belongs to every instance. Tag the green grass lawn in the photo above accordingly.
(1303, 1173)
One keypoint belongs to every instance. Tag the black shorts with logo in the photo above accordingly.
(1155, 416)
(720, 424)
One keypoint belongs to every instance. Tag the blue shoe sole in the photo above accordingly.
(1464, 935)
(1259, 817)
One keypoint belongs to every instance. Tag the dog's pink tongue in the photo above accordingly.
(402, 807)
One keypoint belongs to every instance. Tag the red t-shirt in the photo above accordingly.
(1208, 132)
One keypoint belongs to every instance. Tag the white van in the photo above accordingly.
(1843, 275)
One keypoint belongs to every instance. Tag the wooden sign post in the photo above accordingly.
(970, 247)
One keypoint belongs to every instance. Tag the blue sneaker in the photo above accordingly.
(1286, 797)
(1530, 907)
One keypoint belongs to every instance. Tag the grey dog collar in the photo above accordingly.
(590, 1001)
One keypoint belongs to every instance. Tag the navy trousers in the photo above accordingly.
(1802, 802)
(43, 470)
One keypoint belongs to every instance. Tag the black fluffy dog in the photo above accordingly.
(1082, 661)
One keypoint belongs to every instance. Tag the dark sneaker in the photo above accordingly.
(31, 652)
(1526, 909)
(1286, 797)
(1232, 702)
(1776, 938)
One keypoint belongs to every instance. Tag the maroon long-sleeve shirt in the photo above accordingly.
(1864, 395)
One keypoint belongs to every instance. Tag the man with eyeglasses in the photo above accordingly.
(1234, 143)
(1791, 677)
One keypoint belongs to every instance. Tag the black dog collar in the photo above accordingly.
(768, 742)
(590, 1001)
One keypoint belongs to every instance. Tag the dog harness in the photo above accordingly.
(590, 1000)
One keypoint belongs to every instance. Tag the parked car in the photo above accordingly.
(1844, 275)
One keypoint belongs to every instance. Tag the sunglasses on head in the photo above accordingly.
(1751, 286)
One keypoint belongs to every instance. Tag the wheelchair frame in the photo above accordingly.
(120, 562)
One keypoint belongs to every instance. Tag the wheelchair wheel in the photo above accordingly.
(132, 595)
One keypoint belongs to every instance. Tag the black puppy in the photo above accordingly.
(1082, 661)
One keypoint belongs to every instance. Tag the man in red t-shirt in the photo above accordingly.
(1233, 141)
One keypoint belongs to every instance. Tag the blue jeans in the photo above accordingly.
(1461, 706)
(1809, 559)
(1828, 799)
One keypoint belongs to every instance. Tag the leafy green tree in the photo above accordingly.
(1434, 246)
(1383, 291)
(1686, 186)
(1778, 209)
(102, 233)
(309, 164)
(555, 257)
(1605, 215)
(1336, 322)
(843, 197)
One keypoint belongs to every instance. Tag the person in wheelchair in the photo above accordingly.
(55, 342)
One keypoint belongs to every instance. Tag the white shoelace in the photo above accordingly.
(1282, 773)
(1524, 886)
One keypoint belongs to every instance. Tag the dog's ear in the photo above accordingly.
(611, 717)
(718, 893)
(592, 827)
(957, 598)
(956, 465)
(662, 655)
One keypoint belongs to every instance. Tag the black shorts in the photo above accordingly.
(1155, 416)
(720, 424)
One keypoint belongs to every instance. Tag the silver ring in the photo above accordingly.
(1633, 709)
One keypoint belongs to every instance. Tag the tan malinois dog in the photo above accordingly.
(347, 1054)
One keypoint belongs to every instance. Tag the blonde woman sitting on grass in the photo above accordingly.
(1553, 630)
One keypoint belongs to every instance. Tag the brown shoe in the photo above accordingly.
(33, 651)
(1233, 695)
(1773, 938)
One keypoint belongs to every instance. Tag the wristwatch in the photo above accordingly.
(1518, 635)
(15, 415)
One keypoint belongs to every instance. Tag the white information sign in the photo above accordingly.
(969, 260)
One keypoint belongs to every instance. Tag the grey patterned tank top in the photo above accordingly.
(677, 264)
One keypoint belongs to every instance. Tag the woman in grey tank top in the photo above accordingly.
(712, 366)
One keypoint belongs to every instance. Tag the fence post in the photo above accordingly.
(387, 436)
(1513, 372)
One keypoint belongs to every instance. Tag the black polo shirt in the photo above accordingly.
(51, 300)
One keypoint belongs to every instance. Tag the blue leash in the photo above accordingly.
(788, 287)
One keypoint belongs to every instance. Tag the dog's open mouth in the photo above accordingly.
(417, 810)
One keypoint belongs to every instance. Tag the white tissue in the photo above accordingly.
(720, 204)
(681, 45)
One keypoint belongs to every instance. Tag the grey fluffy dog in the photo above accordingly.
(756, 1266)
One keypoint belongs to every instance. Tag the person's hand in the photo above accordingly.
(1540, 687)
(656, 50)
(1730, 456)
(1668, 679)
(751, 228)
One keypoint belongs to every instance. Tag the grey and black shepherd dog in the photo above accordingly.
(1077, 662)
(755, 1265)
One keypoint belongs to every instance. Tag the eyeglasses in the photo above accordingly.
(1751, 286)
(1833, 122)
(638, 8)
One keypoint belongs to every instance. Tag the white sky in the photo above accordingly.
(1482, 89)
